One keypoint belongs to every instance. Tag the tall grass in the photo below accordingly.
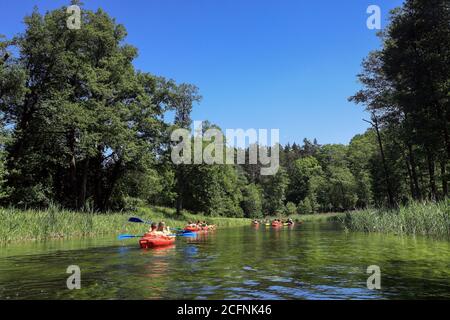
(430, 219)
(317, 217)
(53, 223)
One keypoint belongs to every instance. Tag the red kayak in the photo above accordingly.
(277, 224)
(192, 229)
(153, 241)
(196, 229)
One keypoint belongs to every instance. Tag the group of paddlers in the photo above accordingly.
(159, 229)
(200, 225)
(288, 221)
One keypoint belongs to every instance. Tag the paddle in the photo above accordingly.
(130, 236)
(138, 220)
(127, 236)
(187, 234)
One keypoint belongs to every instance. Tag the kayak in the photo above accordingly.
(152, 241)
(192, 229)
(196, 229)
(277, 224)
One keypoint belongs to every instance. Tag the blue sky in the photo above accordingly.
(259, 64)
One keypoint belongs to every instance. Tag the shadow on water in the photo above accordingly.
(312, 261)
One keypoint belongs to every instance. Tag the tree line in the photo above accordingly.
(406, 86)
(82, 128)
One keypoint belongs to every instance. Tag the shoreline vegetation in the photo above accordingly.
(426, 219)
(56, 223)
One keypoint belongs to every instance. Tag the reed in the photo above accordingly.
(417, 218)
(318, 217)
(54, 223)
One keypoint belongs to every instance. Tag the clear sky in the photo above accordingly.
(264, 64)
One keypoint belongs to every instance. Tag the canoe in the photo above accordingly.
(152, 241)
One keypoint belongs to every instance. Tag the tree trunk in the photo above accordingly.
(179, 204)
(444, 179)
(72, 170)
(430, 162)
(444, 117)
(383, 159)
(115, 176)
(179, 201)
(98, 179)
(83, 187)
(417, 194)
(410, 177)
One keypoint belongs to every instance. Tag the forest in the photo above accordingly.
(83, 129)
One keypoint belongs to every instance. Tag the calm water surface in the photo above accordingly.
(312, 261)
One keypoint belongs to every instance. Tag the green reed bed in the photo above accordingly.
(317, 217)
(431, 219)
(54, 223)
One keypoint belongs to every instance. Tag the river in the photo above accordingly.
(311, 261)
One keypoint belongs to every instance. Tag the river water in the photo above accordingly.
(311, 261)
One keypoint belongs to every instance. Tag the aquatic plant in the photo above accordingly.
(417, 218)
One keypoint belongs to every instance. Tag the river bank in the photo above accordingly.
(56, 223)
(427, 219)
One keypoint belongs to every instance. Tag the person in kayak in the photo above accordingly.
(162, 229)
(153, 229)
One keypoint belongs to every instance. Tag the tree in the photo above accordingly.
(275, 188)
(252, 201)
(300, 186)
(338, 191)
(362, 149)
(406, 86)
(83, 118)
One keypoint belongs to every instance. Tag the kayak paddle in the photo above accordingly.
(187, 234)
(130, 236)
(138, 220)
(127, 236)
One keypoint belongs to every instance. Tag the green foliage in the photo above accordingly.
(252, 201)
(54, 222)
(362, 149)
(432, 219)
(302, 177)
(87, 127)
(405, 88)
(290, 209)
(305, 206)
(275, 188)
